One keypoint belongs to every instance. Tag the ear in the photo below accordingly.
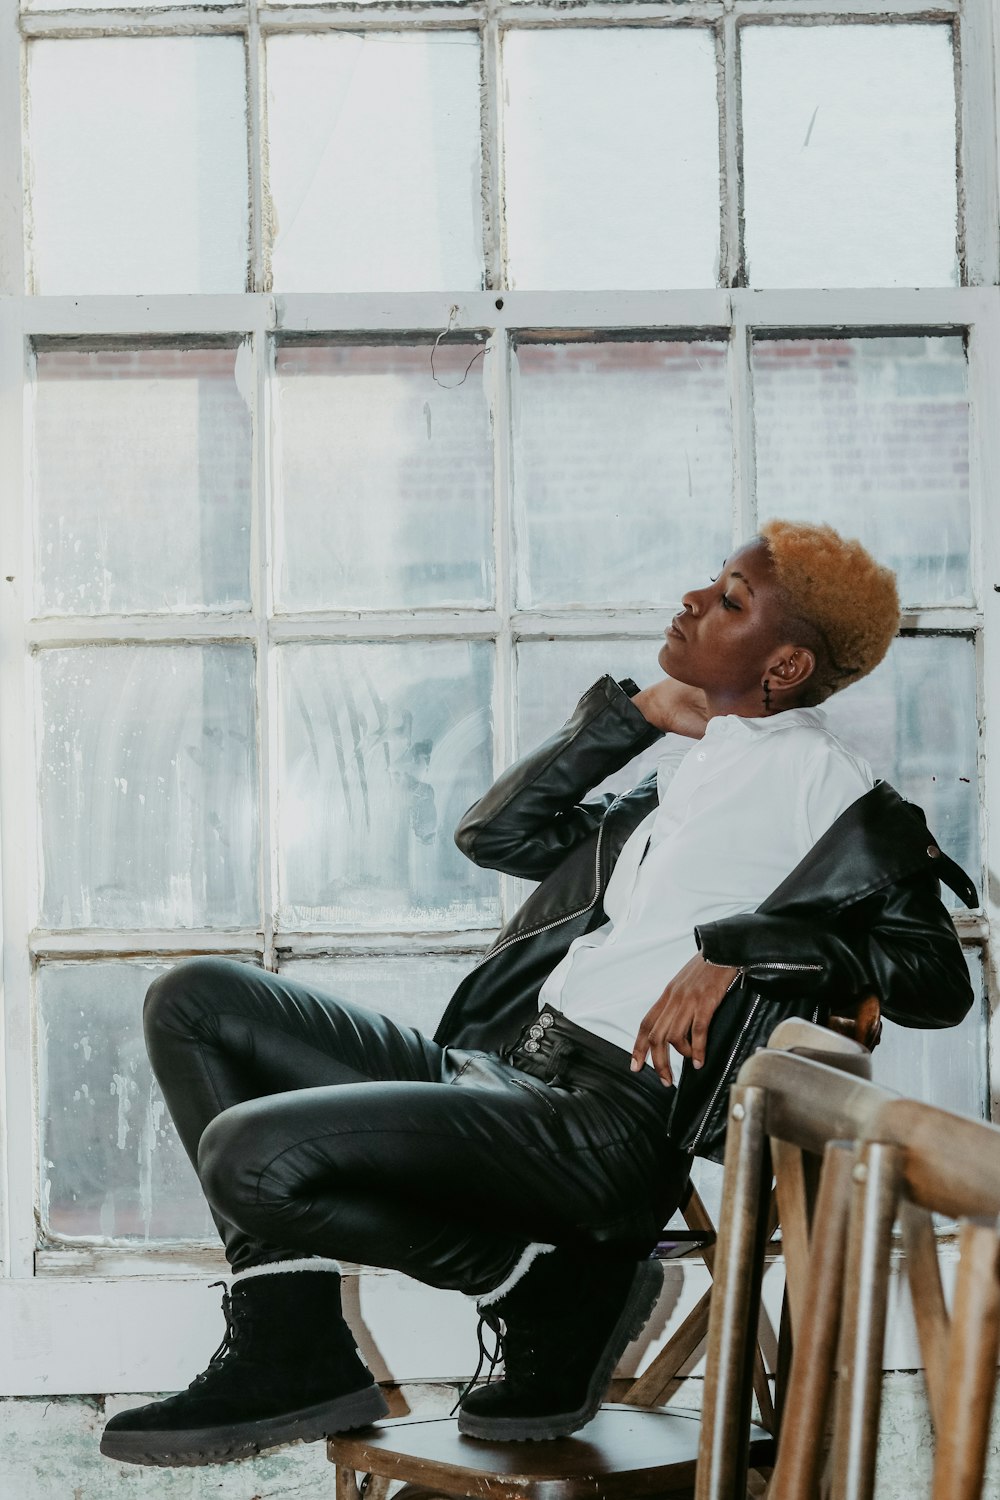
(789, 670)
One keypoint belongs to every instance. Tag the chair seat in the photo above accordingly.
(625, 1451)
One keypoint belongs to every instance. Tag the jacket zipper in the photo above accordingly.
(519, 937)
(710, 1106)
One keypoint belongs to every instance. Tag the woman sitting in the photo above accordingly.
(529, 1154)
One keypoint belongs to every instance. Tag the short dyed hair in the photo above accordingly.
(840, 602)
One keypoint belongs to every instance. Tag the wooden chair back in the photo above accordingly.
(918, 1160)
(799, 1118)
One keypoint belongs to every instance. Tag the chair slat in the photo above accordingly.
(927, 1296)
(793, 1216)
(970, 1379)
(810, 1379)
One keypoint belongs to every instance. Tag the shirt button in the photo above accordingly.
(531, 1046)
(700, 755)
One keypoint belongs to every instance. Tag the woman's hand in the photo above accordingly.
(674, 707)
(681, 1017)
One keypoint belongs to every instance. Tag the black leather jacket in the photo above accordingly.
(861, 913)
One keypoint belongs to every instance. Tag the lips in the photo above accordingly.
(675, 631)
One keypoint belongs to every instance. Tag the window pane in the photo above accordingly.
(374, 162)
(383, 747)
(552, 675)
(872, 436)
(111, 1165)
(148, 787)
(412, 989)
(386, 478)
(169, 425)
(138, 164)
(946, 1068)
(849, 155)
(611, 158)
(914, 719)
(622, 470)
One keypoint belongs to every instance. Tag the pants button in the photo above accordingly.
(531, 1046)
(536, 1032)
(546, 1018)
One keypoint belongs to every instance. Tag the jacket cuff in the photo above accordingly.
(780, 954)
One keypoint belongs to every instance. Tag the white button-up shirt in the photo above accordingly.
(737, 811)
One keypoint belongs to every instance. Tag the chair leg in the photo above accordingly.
(658, 1382)
(971, 1367)
(346, 1483)
(722, 1457)
(859, 1394)
(803, 1423)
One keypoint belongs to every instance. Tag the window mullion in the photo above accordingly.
(492, 158)
(744, 455)
(18, 845)
(984, 460)
(259, 268)
(499, 361)
(979, 170)
(264, 487)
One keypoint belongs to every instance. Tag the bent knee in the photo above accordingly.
(229, 1167)
(184, 992)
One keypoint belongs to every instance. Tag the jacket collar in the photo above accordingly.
(879, 839)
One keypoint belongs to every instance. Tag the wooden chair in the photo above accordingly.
(919, 1160)
(802, 1119)
(630, 1449)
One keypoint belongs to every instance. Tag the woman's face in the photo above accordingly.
(725, 638)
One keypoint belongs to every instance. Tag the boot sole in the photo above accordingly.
(639, 1304)
(219, 1445)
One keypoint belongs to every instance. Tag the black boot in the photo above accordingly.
(567, 1323)
(286, 1370)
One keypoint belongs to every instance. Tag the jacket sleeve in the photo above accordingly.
(898, 943)
(532, 816)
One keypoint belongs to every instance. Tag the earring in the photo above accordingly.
(767, 696)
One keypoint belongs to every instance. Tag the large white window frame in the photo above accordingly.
(55, 1290)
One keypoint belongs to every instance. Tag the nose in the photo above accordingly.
(693, 601)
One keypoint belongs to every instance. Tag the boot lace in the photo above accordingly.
(487, 1319)
(229, 1338)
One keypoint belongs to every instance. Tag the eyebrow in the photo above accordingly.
(735, 574)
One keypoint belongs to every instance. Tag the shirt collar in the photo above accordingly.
(731, 726)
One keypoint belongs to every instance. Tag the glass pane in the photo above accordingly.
(138, 164)
(113, 4)
(169, 425)
(914, 719)
(622, 471)
(148, 784)
(849, 155)
(611, 158)
(412, 989)
(946, 1068)
(383, 747)
(374, 162)
(552, 675)
(111, 1165)
(385, 478)
(872, 435)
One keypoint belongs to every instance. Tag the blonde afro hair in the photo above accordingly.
(843, 603)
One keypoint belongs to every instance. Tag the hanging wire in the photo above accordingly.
(452, 315)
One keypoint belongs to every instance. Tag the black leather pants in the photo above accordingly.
(319, 1127)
